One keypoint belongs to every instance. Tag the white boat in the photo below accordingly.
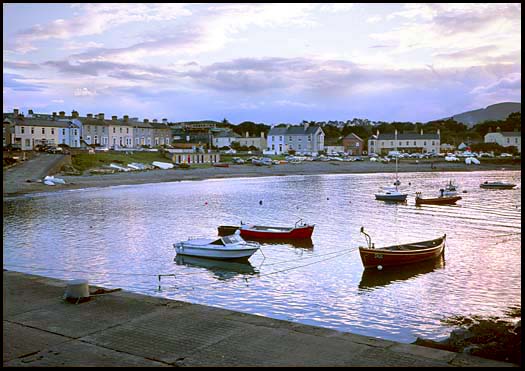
(52, 179)
(162, 165)
(450, 189)
(391, 193)
(227, 247)
(119, 168)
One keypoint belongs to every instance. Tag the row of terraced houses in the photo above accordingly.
(28, 131)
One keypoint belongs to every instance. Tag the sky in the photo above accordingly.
(269, 63)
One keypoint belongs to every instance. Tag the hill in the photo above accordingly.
(498, 111)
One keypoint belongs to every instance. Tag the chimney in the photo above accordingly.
(247, 135)
(165, 121)
(101, 116)
(421, 131)
(498, 129)
(287, 126)
(114, 118)
(74, 114)
(15, 112)
(306, 126)
(438, 133)
(89, 115)
(377, 132)
(146, 121)
(62, 114)
(126, 118)
(29, 113)
(54, 114)
(262, 134)
(155, 120)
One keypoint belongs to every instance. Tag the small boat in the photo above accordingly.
(450, 189)
(391, 193)
(409, 253)
(162, 165)
(226, 247)
(497, 185)
(442, 200)
(220, 165)
(300, 230)
(226, 230)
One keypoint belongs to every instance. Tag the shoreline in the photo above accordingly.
(18, 188)
(122, 328)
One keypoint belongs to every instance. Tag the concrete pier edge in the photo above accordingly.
(128, 329)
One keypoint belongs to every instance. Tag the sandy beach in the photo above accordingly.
(18, 187)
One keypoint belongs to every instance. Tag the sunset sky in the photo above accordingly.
(266, 63)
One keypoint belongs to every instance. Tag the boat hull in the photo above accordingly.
(497, 186)
(223, 254)
(395, 198)
(295, 233)
(438, 200)
(372, 258)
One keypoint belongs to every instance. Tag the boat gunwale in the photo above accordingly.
(405, 252)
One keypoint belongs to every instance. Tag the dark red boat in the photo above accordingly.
(400, 254)
(442, 200)
(301, 230)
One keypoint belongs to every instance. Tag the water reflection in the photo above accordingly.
(222, 270)
(303, 243)
(372, 278)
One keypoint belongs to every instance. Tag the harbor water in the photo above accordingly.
(123, 237)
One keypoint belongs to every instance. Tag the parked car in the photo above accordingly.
(505, 155)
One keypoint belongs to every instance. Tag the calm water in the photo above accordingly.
(123, 237)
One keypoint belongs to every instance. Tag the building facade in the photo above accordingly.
(258, 142)
(353, 144)
(225, 138)
(505, 138)
(404, 142)
(303, 139)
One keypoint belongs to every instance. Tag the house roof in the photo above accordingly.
(511, 133)
(294, 130)
(227, 134)
(43, 123)
(353, 136)
(405, 136)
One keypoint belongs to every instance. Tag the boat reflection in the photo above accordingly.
(373, 278)
(303, 243)
(223, 270)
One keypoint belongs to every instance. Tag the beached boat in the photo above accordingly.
(497, 185)
(442, 200)
(299, 230)
(380, 257)
(227, 247)
(162, 165)
(220, 165)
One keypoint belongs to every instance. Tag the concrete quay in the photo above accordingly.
(126, 329)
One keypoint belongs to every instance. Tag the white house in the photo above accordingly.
(225, 138)
(404, 142)
(303, 139)
(505, 138)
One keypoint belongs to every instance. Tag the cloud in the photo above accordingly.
(509, 82)
(94, 19)
(84, 92)
(21, 65)
(20, 83)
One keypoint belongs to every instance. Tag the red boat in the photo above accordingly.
(400, 254)
(299, 231)
(442, 200)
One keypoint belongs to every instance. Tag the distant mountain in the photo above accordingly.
(498, 111)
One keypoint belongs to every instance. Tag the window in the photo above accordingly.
(290, 138)
(273, 147)
(433, 142)
(309, 138)
(167, 141)
(299, 139)
(114, 131)
(415, 143)
(371, 142)
(127, 130)
(425, 143)
(299, 146)
(75, 132)
(32, 130)
(515, 140)
(407, 143)
(43, 130)
(120, 130)
(105, 141)
(103, 128)
(281, 138)
(400, 144)
(52, 131)
(508, 140)
(28, 143)
(391, 143)
(63, 131)
(88, 139)
(95, 139)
